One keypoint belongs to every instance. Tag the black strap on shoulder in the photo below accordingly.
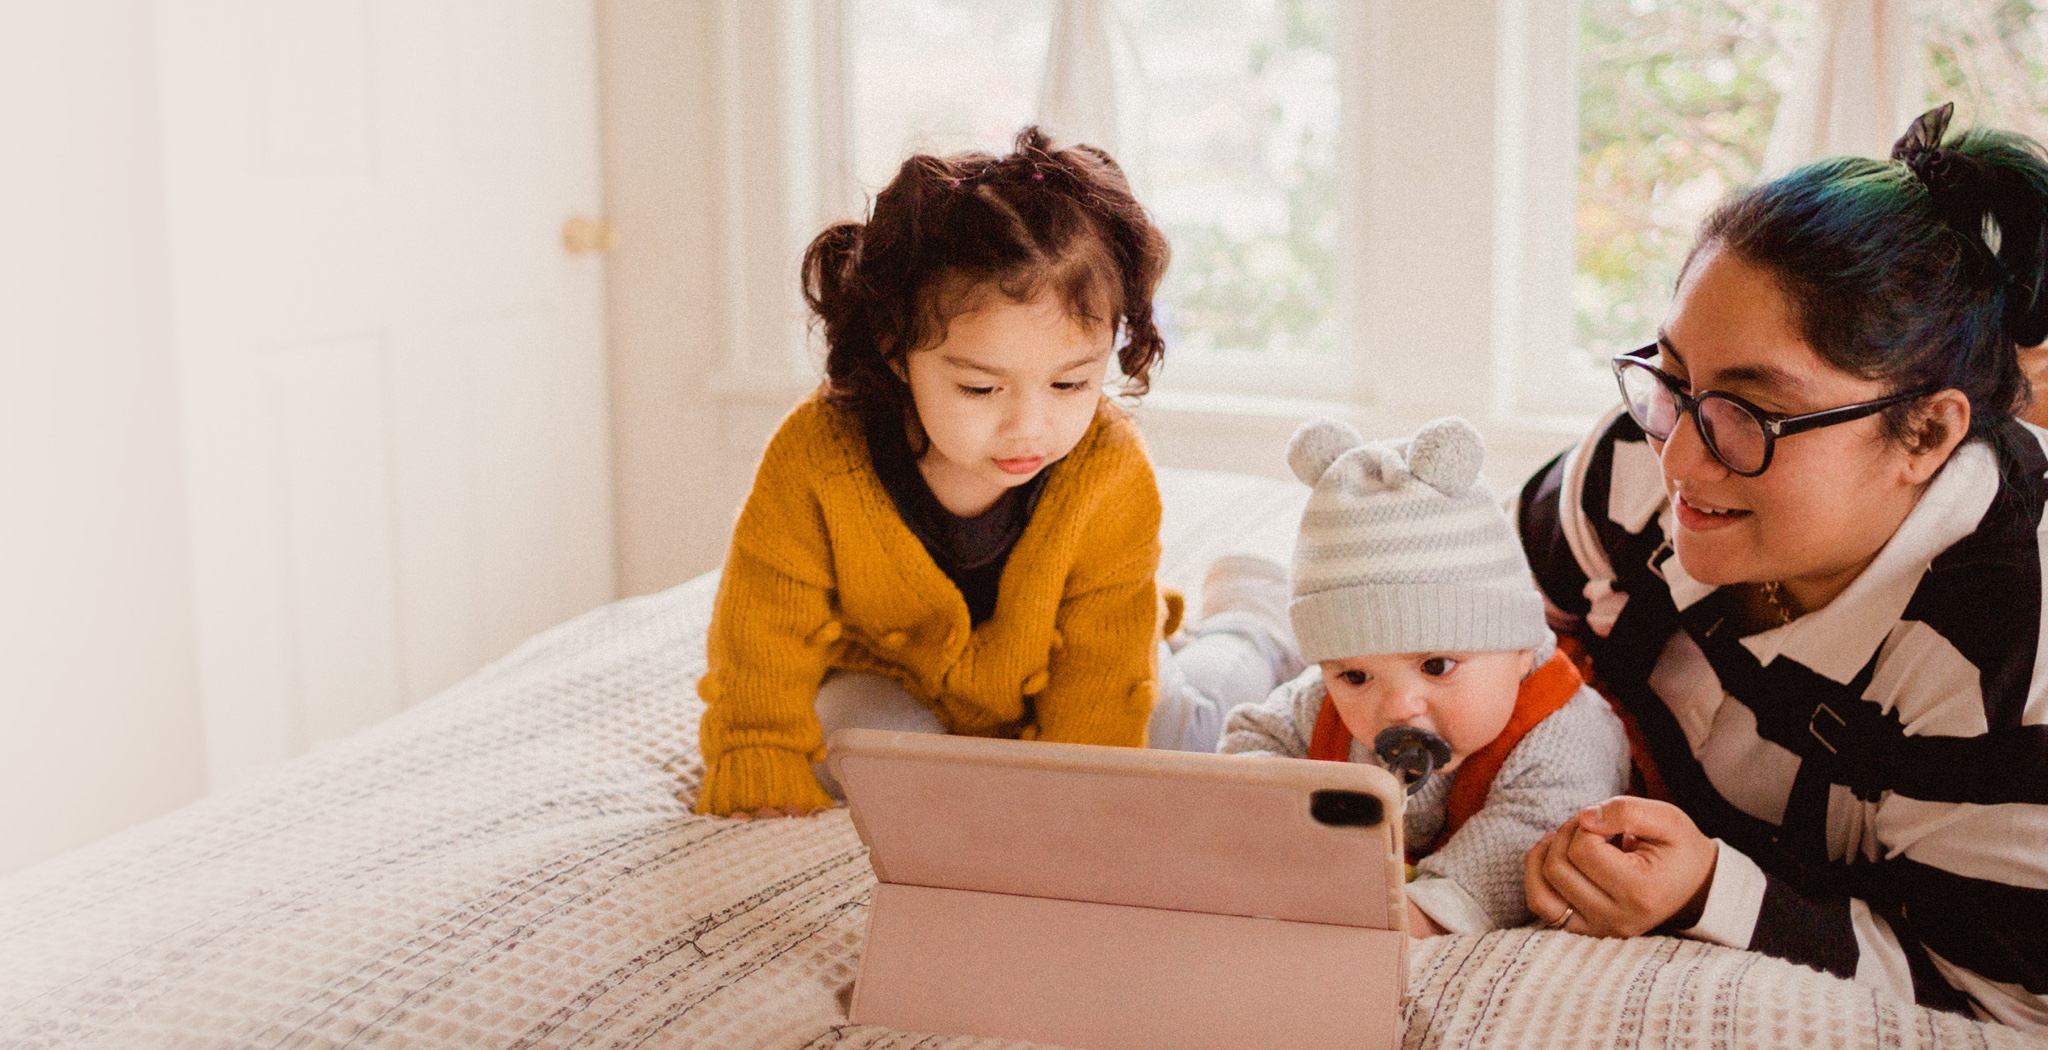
(1624, 660)
(1539, 515)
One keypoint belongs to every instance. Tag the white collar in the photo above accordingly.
(1837, 640)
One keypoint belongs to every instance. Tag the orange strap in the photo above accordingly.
(1541, 695)
(1331, 741)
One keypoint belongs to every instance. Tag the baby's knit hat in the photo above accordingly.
(1403, 548)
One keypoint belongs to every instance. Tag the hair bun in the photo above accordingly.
(1996, 207)
(2017, 209)
(2025, 322)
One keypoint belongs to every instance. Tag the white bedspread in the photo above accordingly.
(514, 864)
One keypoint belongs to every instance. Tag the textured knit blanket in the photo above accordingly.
(515, 864)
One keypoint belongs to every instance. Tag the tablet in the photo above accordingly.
(1122, 898)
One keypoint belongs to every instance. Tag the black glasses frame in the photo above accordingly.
(1774, 425)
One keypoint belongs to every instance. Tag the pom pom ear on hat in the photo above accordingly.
(1446, 455)
(1316, 444)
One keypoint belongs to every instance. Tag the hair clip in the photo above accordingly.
(1922, 140)
(1963, 189)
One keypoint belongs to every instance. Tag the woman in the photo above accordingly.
(1807, 560)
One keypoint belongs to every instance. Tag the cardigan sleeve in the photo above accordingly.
(1102, 673)
(771, 631)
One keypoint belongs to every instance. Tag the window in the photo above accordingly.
(1309, 264)
(939, 76)
(1678, 99)
(1676, 103)
(1991, 58)
(1227, 125)
(1237, 104)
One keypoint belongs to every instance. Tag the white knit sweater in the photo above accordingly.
(1473, 882)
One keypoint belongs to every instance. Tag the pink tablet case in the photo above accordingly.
(1119, 898)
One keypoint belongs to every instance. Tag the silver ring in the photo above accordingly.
(1559, 922)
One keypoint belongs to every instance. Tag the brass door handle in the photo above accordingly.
(582, 235)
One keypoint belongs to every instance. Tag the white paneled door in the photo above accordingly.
(392, 371)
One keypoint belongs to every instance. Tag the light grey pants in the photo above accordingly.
(1223, 661)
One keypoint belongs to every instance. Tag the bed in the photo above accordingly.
(514, 864)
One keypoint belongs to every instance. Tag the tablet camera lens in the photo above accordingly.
(1345, 809)
(1411, 754)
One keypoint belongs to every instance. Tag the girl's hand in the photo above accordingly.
(1624, 867)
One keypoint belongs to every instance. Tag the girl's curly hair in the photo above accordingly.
(948, 229)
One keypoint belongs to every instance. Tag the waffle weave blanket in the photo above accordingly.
(514, 864)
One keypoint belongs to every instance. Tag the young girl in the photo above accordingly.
(958, 532)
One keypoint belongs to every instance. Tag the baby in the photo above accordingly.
(1414, 606)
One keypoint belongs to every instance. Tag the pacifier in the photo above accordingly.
(1411, 754)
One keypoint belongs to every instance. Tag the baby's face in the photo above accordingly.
(1464, 697)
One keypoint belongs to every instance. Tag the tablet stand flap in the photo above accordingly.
(1107, 977)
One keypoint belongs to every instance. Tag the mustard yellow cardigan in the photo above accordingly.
(824, 575)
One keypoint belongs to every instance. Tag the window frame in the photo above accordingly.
(1455, 225)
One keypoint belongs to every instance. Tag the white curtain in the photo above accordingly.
(1859, 84)
(1078, 100)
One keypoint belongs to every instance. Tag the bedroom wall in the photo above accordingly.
(98, 682)
(703, 308)
(658, 108)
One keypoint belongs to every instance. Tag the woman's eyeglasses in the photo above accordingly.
(1738, 434)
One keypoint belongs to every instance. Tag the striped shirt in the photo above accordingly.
(1876, 771)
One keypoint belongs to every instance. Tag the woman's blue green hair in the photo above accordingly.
(1924, 270)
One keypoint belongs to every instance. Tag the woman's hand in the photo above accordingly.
(1623, 867)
